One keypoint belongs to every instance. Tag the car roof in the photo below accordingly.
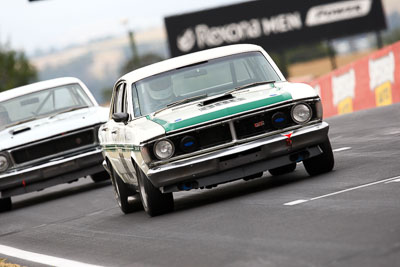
(188, 59)
(34, 87)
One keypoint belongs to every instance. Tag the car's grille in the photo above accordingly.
(204, 138)
(262, 123)
(214, 136)
(54, 146)
(249, 125)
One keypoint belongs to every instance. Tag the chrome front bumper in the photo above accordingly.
(241, 160)
(56, 171)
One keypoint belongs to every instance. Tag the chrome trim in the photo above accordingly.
(234, 149)
(233, 131)
(239, 171)
(168, 141)
(6, 156)
(51, 163)
(309, 108)
(105, 166)
(233, 143)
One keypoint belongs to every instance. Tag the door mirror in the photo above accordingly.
(120, 117)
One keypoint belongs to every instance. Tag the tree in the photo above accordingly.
(137, 61)
(392, 36)
(142, 61)
(15, 69)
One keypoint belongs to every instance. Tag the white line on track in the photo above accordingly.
(393, 181)
(300, 201)
(295, 202)
(341, 149)
(40, 258)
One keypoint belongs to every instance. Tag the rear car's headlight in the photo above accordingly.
(164, 149)
(301, 113)
(4, 163)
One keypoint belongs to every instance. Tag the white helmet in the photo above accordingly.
(160, 88)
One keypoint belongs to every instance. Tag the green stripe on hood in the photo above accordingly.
(170, 126)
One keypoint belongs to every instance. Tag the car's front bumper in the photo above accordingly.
(241, 160)
(57, 171)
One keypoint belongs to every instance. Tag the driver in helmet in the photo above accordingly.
(160, 90)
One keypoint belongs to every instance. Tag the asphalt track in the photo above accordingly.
(348, 217)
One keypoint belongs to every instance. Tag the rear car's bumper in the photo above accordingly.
(57, 171)
(240, 160)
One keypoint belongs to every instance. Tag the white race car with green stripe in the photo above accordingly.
(208, 118)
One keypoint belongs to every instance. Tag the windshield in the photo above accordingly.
(42, 104)
(209, 78)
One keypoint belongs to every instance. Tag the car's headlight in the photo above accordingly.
(4, 164)
(164, 149)
(319, 109)
(301, 113)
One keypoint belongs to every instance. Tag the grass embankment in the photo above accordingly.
(319, 67)
(3, 263)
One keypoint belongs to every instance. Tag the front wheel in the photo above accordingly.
(122, 194)
(5, 204)
(154, 202)
(322, 163)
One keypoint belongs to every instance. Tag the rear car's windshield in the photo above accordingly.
(205, 78)
(42, 103)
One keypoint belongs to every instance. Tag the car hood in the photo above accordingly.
(51, 126)
(244, 100)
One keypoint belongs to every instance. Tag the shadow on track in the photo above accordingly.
(60, 193)
(242, 188)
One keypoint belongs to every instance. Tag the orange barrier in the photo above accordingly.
(370, 82)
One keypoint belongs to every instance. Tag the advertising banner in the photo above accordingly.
(272, 24)
(370, 82)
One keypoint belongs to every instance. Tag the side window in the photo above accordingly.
(135, 101)
(119, 101)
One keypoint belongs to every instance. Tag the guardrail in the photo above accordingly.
(369, 82)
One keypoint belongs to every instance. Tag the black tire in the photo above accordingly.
(100, 177)
(322, 163)
(5, 204)
(122, 191)
(154, 202)
(283, 170)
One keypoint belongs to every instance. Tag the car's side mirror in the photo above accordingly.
(120, 117)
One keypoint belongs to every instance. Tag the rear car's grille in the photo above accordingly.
(54, 146)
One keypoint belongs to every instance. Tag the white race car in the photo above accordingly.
(208, 118)
(48, 136)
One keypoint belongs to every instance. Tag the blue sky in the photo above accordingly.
(58, 23)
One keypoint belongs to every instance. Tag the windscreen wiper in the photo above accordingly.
(182, 101)
(248, 85)
(68, 110)
(21, 122)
